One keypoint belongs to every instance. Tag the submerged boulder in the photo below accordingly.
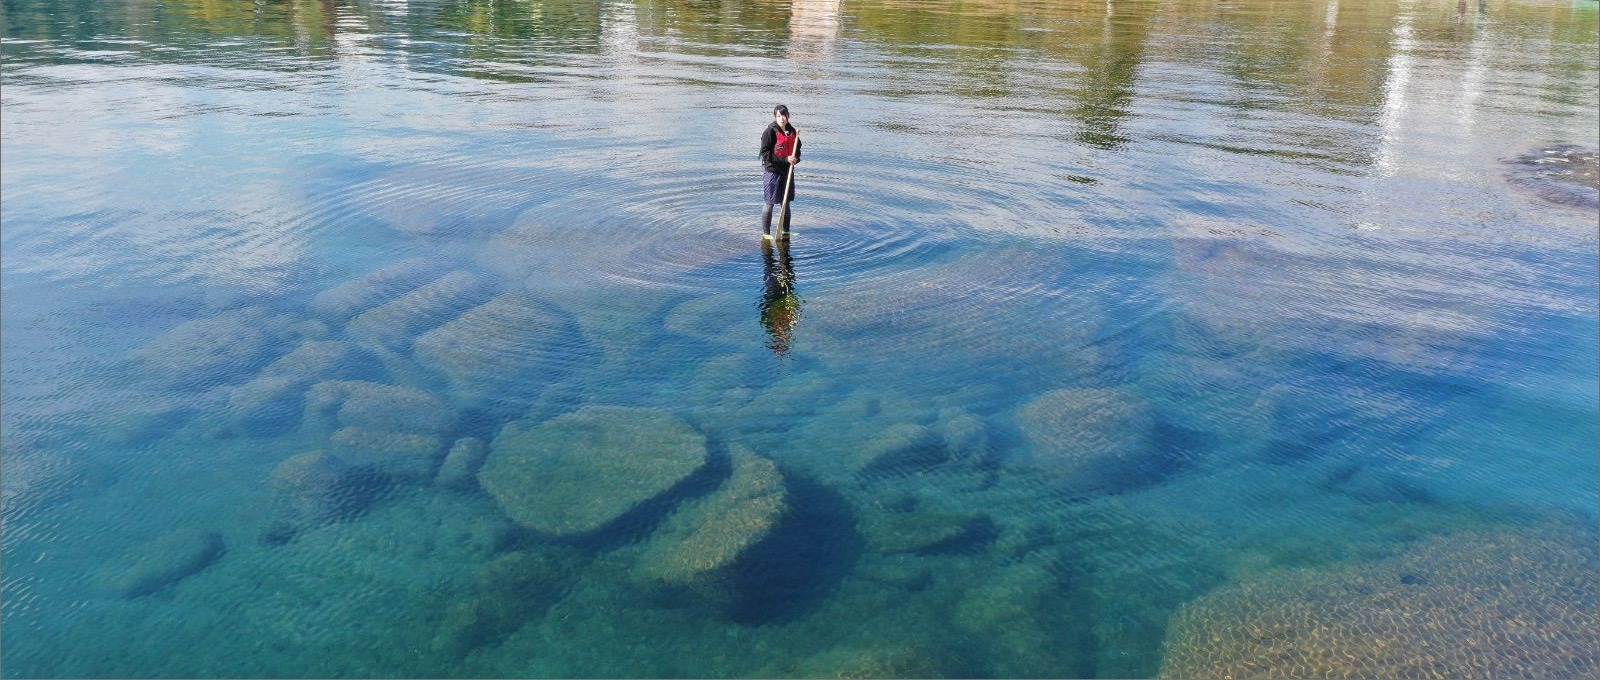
(395, 454)
(460, 467)
(786, 403)
(1567, 174)
(715, 318)
(965, 436)
(325, 360)
(1088, 440)
(314, 488)
(383, 408)
(577, 473)
(708, 535)
(879, 659)
(510, 591)
(510, 346)
(372, 289)
(164, 561)
(218, 349)
(1018, 613)
(902, 447)
(396, 323)
(266, 405)
(889, 531)
(1513, 603)
(274, 400)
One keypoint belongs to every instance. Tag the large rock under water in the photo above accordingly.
(1516, 603)
(401, 455)
(890, 530)
(1567, 174)
(1019, 615)
(273, 401)
(396, 323)
(510, 346)
(460, 467)
(1088, 440)
(162, 562)
(509, 592)
(708, 535)
(577, 473)
(377, 407)
(312, 489)
(219, 349)
(369, 290)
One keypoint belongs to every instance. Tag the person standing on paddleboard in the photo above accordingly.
(780, 152)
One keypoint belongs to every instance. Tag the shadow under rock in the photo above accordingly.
(787, 575)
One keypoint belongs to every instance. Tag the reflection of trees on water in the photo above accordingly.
(1103, 44)
(1330, 54)
(306, 25)
(695, 25)
(1106, 93)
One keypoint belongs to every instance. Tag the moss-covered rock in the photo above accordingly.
(577, 473)
(396, 323)
(382, 408)
(903, 447)
(1513, 603)
(885, 659)
(511, 591)
(347, 299)
(217, 350)
(1088, 440)
(889, 531)
(395, 408)
(311, 489)
(326, 360)
(965, 435)
(510, 346)
(266, 405)
(460, 468)
(786, 402)
(707, 536)
(164, 561)
(274, 400)
(1018, 614)
(394, 454)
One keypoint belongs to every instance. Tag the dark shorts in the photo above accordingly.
(772, 186)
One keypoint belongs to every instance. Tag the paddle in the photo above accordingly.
(783, 211)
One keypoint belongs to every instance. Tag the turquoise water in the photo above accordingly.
(437, 339)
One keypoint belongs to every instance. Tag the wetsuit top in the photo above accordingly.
(775, 146)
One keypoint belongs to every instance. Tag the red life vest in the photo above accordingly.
(784, 147)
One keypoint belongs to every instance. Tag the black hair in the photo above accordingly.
(780, 109)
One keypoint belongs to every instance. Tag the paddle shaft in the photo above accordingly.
(783, 211)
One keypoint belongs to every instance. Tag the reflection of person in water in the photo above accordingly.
(780, 305)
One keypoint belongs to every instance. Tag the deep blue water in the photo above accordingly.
(1105, 327)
